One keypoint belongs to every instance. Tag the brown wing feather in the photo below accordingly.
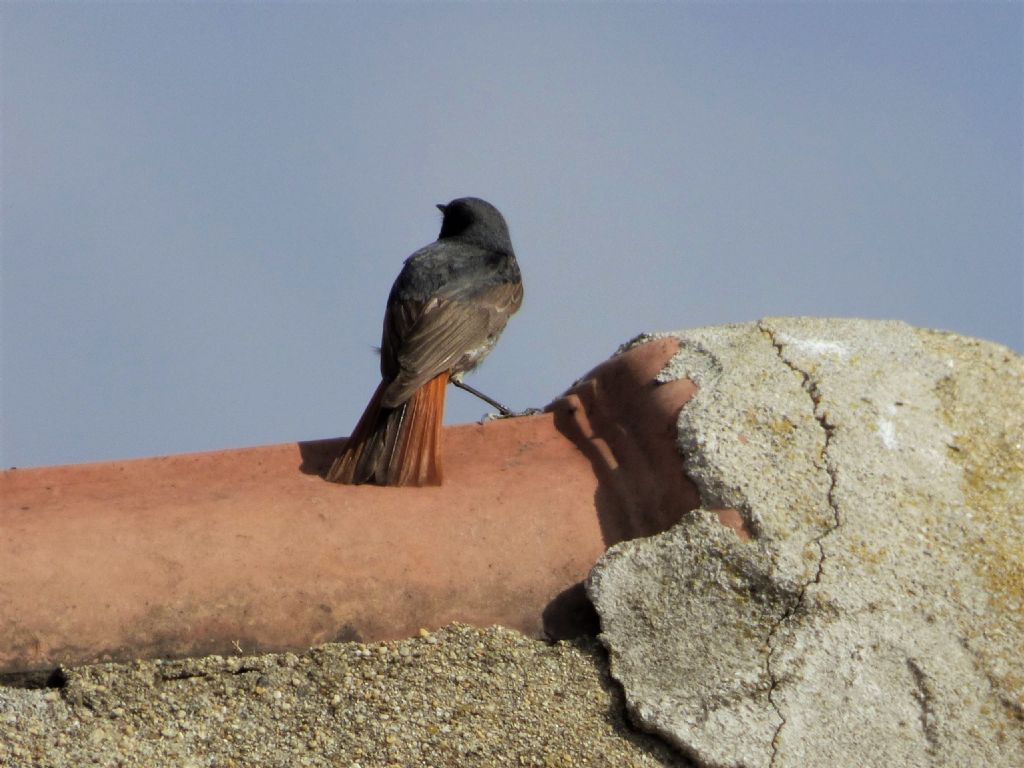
(424, 339)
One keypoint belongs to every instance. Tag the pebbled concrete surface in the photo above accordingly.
(458, 697)
(875, 617)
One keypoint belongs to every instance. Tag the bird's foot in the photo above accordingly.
(509, 415)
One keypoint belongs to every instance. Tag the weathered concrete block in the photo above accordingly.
(876, 615)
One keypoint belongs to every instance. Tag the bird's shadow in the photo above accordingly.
(318, 455)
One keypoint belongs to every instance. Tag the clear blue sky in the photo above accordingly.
(204, 206)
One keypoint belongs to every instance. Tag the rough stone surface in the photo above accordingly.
(458, 697)
(876, 617)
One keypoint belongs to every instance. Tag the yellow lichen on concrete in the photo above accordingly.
(982, 401)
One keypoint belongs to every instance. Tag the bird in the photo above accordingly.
(446, 310)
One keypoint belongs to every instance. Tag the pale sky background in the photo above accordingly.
(204, 206)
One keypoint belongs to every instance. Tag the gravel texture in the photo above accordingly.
(458, 697)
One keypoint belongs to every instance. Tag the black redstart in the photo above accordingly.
(445, 312)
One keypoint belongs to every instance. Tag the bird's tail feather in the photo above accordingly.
(396, 446)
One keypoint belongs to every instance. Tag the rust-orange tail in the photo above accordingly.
(396, 446)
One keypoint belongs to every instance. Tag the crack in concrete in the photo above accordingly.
(811, 387)
(923, 695)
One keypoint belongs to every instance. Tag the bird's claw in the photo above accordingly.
(509, 415)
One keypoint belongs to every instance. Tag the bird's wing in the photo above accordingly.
(425, 338)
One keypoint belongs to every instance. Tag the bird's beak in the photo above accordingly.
(442, 207)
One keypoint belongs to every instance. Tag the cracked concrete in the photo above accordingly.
(810, 386)
(923, 694)
(875, 618)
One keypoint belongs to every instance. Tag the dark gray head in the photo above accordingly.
(475, 221)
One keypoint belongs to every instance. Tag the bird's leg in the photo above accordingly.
(493, 403)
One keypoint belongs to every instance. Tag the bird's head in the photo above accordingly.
(474, 220)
